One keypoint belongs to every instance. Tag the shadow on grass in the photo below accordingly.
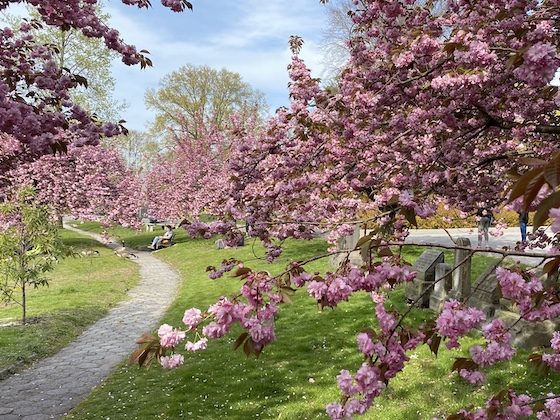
(79, 242)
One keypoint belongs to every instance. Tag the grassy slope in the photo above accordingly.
(80, 291)
(294, 377)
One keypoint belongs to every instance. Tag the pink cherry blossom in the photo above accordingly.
(169, 336)
(198, 346)
(173, 361)
(456, 320)
(192, 318)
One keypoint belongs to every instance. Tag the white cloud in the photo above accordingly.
(254, 43)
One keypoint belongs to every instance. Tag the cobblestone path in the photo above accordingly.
(53, 386)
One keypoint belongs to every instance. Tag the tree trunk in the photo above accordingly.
(23, 303)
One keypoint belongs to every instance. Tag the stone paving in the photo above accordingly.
(53, 386)
(509, 238)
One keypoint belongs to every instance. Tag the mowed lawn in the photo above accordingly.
(295, 377)
(81, 290)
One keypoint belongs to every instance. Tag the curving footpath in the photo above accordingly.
(53, 386)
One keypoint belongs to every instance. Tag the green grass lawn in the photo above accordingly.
(295, 377)
(80, 291)
(132, 238)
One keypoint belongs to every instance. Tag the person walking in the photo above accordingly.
(523, 222)
(485, 217)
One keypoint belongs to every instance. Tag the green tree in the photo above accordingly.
(87, 57)
(139, 149)
(195, 95)
(30, 246)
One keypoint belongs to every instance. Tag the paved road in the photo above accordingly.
(53, 386)
(439, 236)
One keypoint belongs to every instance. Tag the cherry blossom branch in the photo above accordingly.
(481, 280)
(509, 125)
(548, 397)
(503, 252)
(425, 73)
(426, 290)
(449, 235)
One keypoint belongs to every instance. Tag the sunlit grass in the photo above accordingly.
(80, 291)
(295, 377)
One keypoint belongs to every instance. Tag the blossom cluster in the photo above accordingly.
(553, 360)
(456, 320)
(523, 292)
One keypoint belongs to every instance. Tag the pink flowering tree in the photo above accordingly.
(187, 181)
(430, 108)
(35, 106)
(88, 182)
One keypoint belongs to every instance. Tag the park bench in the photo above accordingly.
(166, 243)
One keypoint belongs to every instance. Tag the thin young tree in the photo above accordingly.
(30, 247)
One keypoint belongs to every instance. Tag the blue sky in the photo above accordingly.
(246, 36)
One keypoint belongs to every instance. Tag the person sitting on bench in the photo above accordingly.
(159, 240)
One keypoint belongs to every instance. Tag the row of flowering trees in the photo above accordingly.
(432, 107)
(38, 118)
(88, 182)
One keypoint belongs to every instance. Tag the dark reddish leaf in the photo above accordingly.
(550, 202)
(286, 298)
(385, 252)
(501, 396)
(532, 191)
(515, 60)
(551, 172)
(532, 161)
(363, 240)
(492, 412)
(463, 363)
(538, 298)
(249, 347)
(410, 216)
(538, 364)
(240, 340)
(521, 185)
(551, 266)
(81, 80)
(241, 272)
(539, 406)
(434, 343)
(148, 350)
